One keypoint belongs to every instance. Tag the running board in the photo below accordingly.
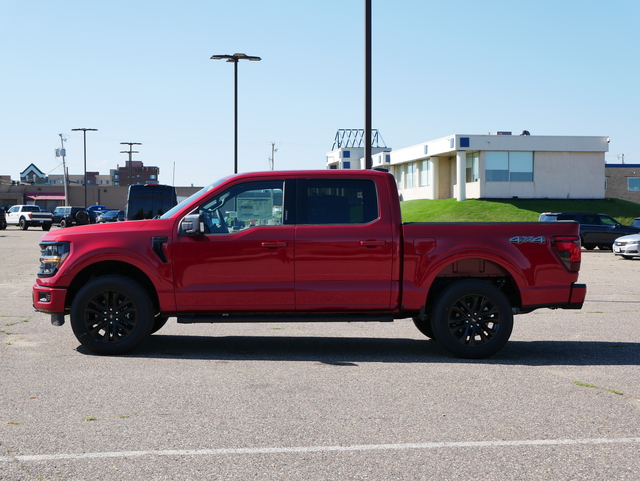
(197, 318)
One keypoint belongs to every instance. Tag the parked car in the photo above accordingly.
(110, 216)
(26, 216)
(627, 246)
(596, 230)
(94, 211)
(3, 220)
(66, 216)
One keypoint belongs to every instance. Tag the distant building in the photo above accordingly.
(622, 181)
(134, 172)
(498, 165)
(33, 175)
(348, 150)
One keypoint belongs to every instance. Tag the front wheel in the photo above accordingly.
(472, 319)
(112, 315)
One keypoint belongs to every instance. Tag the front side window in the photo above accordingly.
(337, 201)
(244, 206)
(633, 183)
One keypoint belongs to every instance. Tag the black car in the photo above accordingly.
(596, 230)
(66, 216)
(110, 216)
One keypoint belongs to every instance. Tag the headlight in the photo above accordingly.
(52, 255)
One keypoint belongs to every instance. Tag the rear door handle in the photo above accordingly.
(372, 243)
(273, 244)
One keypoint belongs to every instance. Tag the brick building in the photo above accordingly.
(622, 181)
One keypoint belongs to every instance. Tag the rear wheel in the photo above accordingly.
(46, 226)
(424, 326)
(472, 319)
(112, 315)
(23, 224)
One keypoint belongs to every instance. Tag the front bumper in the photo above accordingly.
(49, 300)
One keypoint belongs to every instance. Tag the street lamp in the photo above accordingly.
(130, 144)
(85, 160)
(235, 58)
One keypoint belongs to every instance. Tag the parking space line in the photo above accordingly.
(319, 449)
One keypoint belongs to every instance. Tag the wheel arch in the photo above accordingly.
(105, 268)
(478, 268)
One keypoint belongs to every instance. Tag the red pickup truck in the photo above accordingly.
(305, 246)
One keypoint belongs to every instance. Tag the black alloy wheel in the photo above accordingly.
(472, 319)
(112, 315)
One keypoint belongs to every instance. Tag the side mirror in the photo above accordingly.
(191, 225)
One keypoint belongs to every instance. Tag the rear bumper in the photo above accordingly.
(578, 294)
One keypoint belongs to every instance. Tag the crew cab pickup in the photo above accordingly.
(27, 216)
(305, 246)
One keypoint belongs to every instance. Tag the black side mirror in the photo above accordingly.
(191, 225)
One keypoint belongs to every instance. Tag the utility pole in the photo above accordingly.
(130, 144)
(65, 175)
(272, 158)
(84, 132)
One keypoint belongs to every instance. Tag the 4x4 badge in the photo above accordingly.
(528, 240)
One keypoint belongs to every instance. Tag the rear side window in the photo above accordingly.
(337, 201)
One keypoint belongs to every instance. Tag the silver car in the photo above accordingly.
(627, 246)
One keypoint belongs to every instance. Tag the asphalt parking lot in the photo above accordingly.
(323, 401)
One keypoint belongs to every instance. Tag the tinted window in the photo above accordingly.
(337, 201)
(149, 201)
(243, 206)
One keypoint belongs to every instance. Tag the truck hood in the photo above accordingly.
(151, 226)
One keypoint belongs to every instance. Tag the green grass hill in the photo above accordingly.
(511, 210)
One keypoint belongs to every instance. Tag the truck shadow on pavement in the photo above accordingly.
(351, 351)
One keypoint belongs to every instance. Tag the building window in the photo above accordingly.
(346, 164)
(346, 154)
(425, 173)
(473, 159)
(411, 175)
(633, 183)
(509, 166)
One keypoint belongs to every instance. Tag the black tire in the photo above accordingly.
(424, 326)
(472, 319)
(23, 224)
(46, 226)
(158, 323)
(112, 315)
(3, 226)
(63, 223)
(82, 217)
(627, 257)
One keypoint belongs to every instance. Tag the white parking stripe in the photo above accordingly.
(317, 449)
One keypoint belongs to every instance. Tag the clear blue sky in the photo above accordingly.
(139, 71)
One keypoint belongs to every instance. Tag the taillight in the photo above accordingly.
(568, 249)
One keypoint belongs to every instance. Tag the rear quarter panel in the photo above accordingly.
(521, 251)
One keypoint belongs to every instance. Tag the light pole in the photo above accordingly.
(130, 144)
(85, 160)
(235, 58)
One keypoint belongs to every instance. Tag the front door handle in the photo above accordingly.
(373, 243)
(273, 244)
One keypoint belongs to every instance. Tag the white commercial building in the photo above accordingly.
(497, 166)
